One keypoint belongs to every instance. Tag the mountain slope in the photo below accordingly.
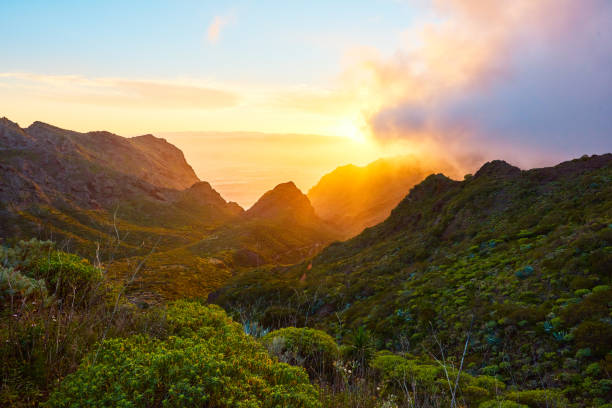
(280, 228)
(136, 201)
(520, 260)
(83, 187)
(284, 200)
(147, 157)
(354, 197)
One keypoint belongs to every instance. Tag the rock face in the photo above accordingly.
(201, 194)
(147, 157)
(172, 170)
(46, 163)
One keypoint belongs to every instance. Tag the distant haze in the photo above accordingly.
(244, 165)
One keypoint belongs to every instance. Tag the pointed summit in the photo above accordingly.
(284, 200)
(12, 136)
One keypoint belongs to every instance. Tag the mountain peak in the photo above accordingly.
(287, 188)
(283, 200)
(38, 125)
(12, 135)
(498, 168)
(6, 122)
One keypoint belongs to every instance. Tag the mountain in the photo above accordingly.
(78, 186)
(353, 197)
(127, 200)
(146, 158)
(518, 262)
(284, 201)
(280, 228)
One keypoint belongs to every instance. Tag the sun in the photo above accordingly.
(351, 128)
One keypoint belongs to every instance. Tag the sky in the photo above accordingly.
(468, 80)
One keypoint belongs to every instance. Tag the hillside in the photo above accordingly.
(78, 186)
(518, 262)
(283, 201)
(123, 200)
(353, 197)
(281, 228)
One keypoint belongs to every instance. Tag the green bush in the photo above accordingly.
(65, 273)
(540, 398)
(24, 253)
(360, 348)
(208, 362)
(313, 349)
(501, 404)
(275, 317)
(427, 380)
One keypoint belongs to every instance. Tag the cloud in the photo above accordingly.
(122, 91)
(177, 95)
(215, 27)
(511, 78)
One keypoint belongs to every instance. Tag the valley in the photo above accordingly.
(386, 267)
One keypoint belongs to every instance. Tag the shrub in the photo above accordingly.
(591, 307)
(524, 272)
(52, 310)
(189, 318)
(65, 273)
(501, 404)
(601, 288)
(24, 253)
(540, 398)
(276, 317)
(214, 365)
(427, 380)
(313, 349)
(397, 373)
(16, 287)
(360, 348)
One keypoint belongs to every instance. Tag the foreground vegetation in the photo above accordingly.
(64, 327)
(70, 339)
